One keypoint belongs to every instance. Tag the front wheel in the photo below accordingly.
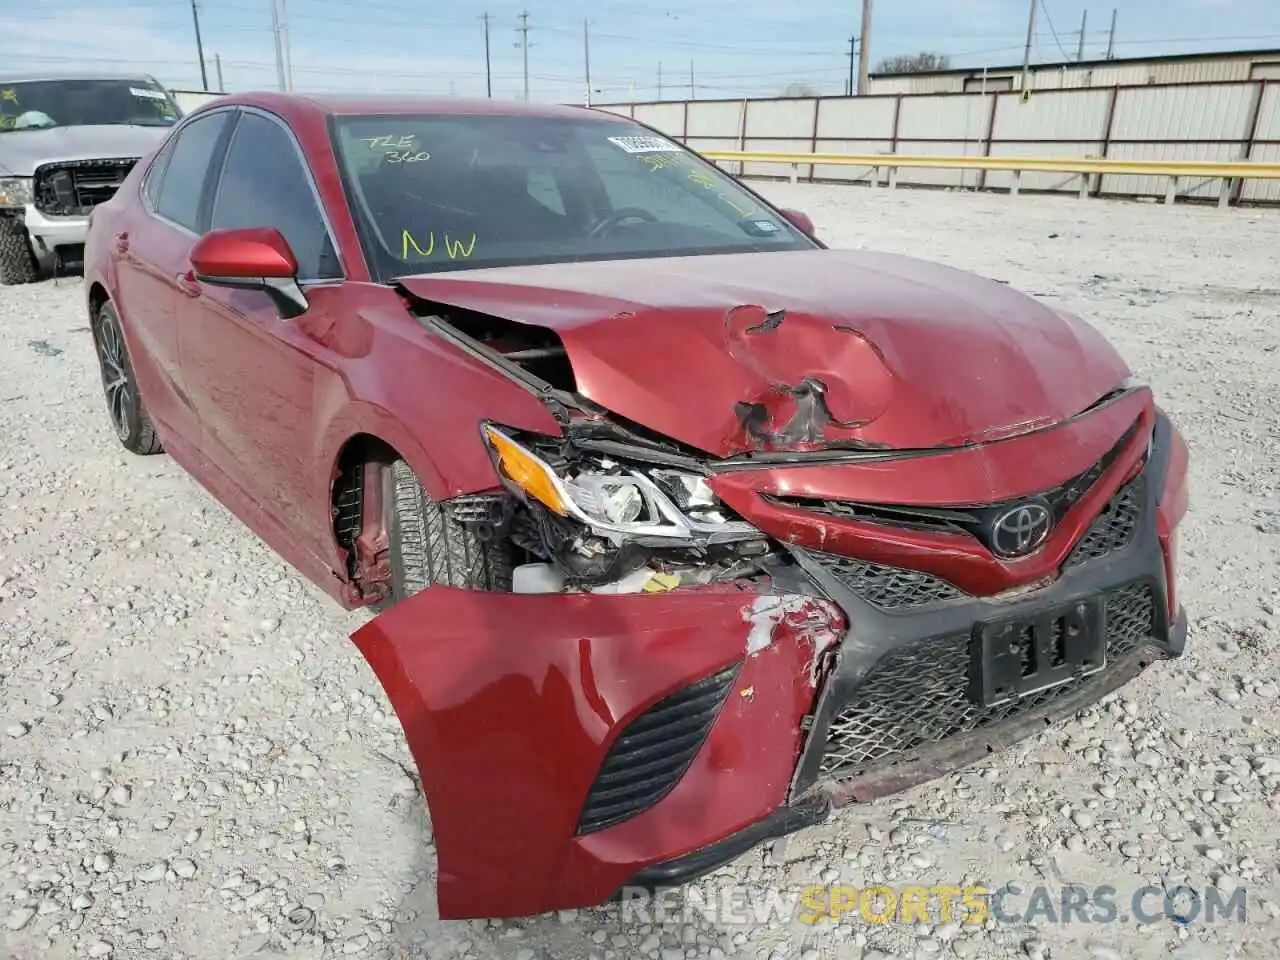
(429, 547)
(124, 402)
(17, 262)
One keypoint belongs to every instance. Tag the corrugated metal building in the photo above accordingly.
(1180, 68)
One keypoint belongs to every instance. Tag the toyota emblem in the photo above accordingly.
(1021, 529)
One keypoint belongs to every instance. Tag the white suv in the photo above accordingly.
(67, 141)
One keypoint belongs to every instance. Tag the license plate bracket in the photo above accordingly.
(1016, 656)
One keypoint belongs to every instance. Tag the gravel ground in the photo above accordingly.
(195, 761)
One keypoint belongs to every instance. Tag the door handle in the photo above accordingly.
(188, 284)
(122, 242)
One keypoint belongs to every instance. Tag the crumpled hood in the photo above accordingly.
(801, 350)
(21, 151)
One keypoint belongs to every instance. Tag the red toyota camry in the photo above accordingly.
(683, 529)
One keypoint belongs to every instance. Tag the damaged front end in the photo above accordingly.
(669, 683)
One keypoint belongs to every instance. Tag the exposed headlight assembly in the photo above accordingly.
(657, 506)
(15, 191)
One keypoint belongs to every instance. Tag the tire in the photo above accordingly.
(429, 548)
(120, 387)
(17, 262)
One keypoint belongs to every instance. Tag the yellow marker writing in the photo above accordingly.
(457, 249)
(407, 240)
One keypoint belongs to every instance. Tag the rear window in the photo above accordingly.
(449, 192)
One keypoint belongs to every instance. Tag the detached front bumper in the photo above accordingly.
(571, 746)
(567, 742)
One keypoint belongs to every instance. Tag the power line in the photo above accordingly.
(1049, 20)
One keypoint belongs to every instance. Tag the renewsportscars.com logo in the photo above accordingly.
(969, 904)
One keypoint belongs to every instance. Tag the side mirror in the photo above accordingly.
(251, 258)
(800, 221)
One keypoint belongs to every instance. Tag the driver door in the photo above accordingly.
(251, 374)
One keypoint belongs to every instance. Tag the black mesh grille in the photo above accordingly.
(919, 695)
(1112, 530)
(654, 751)
(890, 588)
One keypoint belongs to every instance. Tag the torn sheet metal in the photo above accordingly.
(814, 624)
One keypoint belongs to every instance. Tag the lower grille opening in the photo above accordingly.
(919, 695)
(655, 750)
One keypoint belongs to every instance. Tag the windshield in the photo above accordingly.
(37, 104)
(448, 192)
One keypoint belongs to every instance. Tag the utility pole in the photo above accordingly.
(217, 66)
(659, 79)
(488, 72)
(288, 49)
(691, 95)
(1111, 40)
(864, 50)
(275, 32)
(195, 18)
(523, 43)
(586, 57)
(853, 47)
(1084, 22)
(1026, 53)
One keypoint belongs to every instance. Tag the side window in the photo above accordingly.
(264, 184)
(155, 176)
(182, 184)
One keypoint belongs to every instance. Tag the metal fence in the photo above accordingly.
(1158, 122)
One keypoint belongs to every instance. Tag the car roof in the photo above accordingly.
(33, 76)
(313, 104)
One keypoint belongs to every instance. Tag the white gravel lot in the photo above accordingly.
(196, 763)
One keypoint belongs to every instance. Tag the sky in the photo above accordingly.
(639, 49)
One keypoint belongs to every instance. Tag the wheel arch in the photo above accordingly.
(97, 297)
(362, 444)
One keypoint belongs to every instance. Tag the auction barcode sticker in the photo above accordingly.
(645, 144)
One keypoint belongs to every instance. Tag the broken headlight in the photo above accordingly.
(618, 502)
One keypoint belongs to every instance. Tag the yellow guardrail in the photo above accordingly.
(1174, 170)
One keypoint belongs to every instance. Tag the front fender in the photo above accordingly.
(511, 702)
